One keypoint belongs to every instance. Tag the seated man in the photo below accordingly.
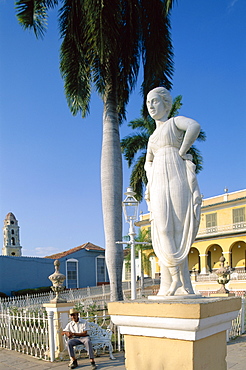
(76, 331)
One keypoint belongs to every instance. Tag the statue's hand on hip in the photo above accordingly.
(186, 157)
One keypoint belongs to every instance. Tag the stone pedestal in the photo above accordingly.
(61, 318)
(189, 335)
(224, 295)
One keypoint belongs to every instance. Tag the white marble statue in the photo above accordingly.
(172, 193)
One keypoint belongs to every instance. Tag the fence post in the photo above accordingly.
(51, 335)
(227, 335)
(242, 323)
(70, 295)
(119, 344)
(60, 312)
(9, 330)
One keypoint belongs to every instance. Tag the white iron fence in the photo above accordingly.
(72, 295)
(32, 333)
(91, 295)
(238, 326)
(25, 332)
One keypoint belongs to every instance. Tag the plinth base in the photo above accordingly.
(58, 300)
(170, 335)
(149, 353)
(174, 297)
(222, 295)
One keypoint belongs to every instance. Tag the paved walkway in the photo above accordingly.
(236, 353)
(11, 360)
(236, 360)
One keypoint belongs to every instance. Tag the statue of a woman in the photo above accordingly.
(172, 193)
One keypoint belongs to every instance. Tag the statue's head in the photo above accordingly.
(165, 97)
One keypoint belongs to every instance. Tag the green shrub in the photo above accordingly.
(44, 289)
(3, 295)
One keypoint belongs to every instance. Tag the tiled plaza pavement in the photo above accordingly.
(11, 360)
(236, 353)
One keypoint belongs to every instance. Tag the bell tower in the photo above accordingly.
(11, 237)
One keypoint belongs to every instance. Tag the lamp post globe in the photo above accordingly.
(130, 205)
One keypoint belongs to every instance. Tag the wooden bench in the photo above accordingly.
(100, 339)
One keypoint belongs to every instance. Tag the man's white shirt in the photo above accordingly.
(77, 327)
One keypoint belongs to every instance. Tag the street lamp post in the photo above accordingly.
(130, 209)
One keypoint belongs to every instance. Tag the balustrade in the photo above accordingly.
(223, 229)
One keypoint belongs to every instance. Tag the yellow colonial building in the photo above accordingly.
(222, 231)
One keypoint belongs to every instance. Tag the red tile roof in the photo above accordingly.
(88, 246)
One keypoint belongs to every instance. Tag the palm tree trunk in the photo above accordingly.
(111, 185)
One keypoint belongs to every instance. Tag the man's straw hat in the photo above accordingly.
(72, 311)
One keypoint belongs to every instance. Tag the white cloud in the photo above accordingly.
(232, 3)
(45, 251)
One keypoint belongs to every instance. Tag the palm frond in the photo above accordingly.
(32, 14)
(75, 57)
(157, 51)
(169, 5)
(197, 158)
(76, 74)
(202, 136)
(131, 144)
(137, 123)
(129, 51)
(144, 124)
(177, 104)
(109, 37)
(138, 177)
(144, 235)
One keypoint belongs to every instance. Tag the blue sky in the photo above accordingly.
(50, 160)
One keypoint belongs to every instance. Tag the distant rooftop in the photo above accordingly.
(88, 246)
(226, 197)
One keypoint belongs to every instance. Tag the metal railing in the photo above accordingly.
(239, 226)
(99, 294)
(238, 326)
(32, 332)
(214, 277)
(25, 332)
(209, 277)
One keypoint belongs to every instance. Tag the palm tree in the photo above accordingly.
(136, 143)
(102, 45)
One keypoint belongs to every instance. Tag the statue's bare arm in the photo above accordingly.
(192, 130)
(148, 162)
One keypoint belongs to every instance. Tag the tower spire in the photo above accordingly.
(11, 236)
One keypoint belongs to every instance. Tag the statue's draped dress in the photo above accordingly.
(174, 195)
